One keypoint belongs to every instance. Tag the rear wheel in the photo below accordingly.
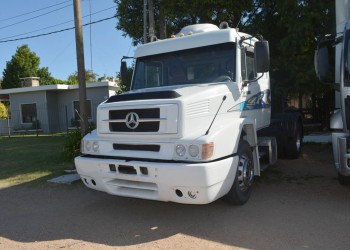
(294, 143)
(242, 185)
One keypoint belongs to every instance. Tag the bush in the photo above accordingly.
(74, 123)
(3, 111)
(71, 148)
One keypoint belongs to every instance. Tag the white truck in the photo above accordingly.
(196, 124)
(340, 120)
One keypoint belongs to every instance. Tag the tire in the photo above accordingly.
(242, 185)
(293, 145)
(344, 180)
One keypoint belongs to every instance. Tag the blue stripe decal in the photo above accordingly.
(258, 101)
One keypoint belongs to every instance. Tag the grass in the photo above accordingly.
(31, 159)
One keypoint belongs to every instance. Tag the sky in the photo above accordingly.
(23, 18)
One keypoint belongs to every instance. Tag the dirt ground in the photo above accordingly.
(296, 204)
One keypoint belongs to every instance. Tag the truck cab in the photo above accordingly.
(188, 130)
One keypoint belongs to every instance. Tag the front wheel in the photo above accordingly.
(242, 185)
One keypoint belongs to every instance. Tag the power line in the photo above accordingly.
(57, 31)
(27, 13)
(56, 24)
(10, 25)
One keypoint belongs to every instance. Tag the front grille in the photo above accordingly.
(152, 148)
(117, 120)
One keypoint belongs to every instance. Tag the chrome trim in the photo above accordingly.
(140, 120)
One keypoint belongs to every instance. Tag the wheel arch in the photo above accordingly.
(249, 134)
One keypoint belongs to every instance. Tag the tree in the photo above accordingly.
(106, 78)
(46, 78)
(24, 63)
(290, 26)
(89, 77)
(171, 16)
(292, 42)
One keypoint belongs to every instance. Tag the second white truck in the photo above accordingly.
(340, 121)
(195, 126)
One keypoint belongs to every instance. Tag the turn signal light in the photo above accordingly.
(207, 150)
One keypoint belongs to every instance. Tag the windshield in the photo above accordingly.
(215, 63)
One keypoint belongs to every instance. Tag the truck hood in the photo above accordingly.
(192, 92)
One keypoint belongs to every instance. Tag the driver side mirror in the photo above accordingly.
(321, 61)
(262, 56)
(124, 72)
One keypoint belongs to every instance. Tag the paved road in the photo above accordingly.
(294, 205)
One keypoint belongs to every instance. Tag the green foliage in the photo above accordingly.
(71, 148)
(125, 86)
(105, 78)
(290, 27)
(3, 111)
(177, 14)
(89, 77)
(74, 123)
(46, 78)
(24, 63)
(30, 159)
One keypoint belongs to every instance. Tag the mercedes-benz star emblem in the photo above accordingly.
(132, 120)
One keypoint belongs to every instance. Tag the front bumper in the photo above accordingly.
(341, 152)
(191, 183)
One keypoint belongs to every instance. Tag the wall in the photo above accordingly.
(54, 105)
(67, 97)
(53, 112)
(4, 130)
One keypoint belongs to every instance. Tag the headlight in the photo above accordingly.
(193, 150)
(180, 150)
(88, 146)
(95, 146)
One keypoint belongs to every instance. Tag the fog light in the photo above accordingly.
(180, 150)
(192, 194)
(95, 146)
(88, 145)
(193, 150)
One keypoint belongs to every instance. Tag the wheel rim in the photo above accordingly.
(298, 141)
(245, 173)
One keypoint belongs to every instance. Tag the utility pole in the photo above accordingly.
(151, 19)
(144, 21)
(81, 66)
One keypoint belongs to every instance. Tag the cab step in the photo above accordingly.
(267, 151)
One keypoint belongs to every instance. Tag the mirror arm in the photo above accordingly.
(245, 82)
(126, 57)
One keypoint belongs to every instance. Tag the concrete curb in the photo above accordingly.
(65, 179)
